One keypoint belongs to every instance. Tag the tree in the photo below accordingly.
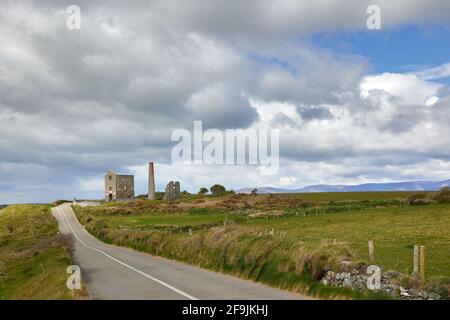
(217, 189)
(203, 190)
(254, 192)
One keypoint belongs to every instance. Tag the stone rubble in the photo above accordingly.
(357, 280)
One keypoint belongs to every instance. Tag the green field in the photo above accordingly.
(163, 221)
(345, 220)
(33, 256)
(394, 230)
(349, 196)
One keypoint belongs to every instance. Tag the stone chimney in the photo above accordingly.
(151, 182)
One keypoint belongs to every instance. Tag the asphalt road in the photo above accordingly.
(112, 272)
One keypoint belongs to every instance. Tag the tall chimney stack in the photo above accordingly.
(151, 182)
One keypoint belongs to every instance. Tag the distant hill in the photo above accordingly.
(3, 206)
(394, 186)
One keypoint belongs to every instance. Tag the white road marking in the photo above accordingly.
(126, 265)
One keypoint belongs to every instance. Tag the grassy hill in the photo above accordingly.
(33, 256)
(282, 240)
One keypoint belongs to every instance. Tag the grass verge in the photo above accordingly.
(33, 255)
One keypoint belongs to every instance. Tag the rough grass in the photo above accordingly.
(395, 231)
(352, 196)
(33, 256)
(166, 221)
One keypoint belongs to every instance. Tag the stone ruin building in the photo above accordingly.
(118, 187)
(172, 191)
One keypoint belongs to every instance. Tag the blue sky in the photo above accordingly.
(402, 48)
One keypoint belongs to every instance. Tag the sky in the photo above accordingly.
(352, 105)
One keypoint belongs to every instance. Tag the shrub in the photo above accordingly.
(419, 198)
(59, 202)
(443, 196)
(159, 195)
(217, 189)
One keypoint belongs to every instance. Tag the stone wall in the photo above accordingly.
(124, 187)
(357, 278)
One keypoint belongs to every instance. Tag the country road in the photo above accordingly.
(112, 272)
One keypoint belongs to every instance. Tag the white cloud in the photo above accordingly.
(268, 111)
(407, 87)
(439, 72)
(431, 101)
(287, 181)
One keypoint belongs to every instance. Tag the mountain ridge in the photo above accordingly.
(365, 187)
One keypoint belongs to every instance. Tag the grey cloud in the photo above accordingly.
(75, 103)
(314, 113)
(281, 120)
(265, 20)
(440, 112)
(310, 76)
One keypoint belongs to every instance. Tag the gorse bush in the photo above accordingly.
(422, 198)
(418, 199)
(443, 196)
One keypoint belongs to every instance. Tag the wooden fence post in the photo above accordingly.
(422, 262)
(371, 251)
(416, 260)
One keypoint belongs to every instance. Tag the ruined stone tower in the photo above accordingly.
(151, 182)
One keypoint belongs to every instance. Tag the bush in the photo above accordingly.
(59, 202)
(217, 189)
(443, 196)
(159, 195)
(420, 198)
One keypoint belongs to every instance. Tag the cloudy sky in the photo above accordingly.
(352, 105)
